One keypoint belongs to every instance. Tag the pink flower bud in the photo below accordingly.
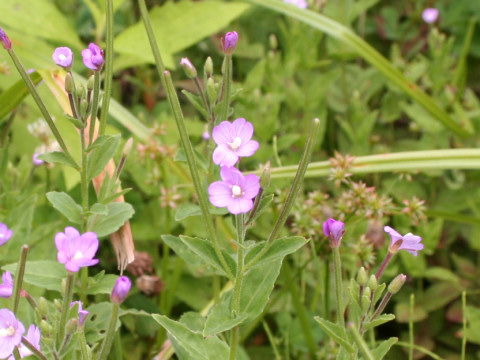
(120, 290)
(7, 44)
(229, 42)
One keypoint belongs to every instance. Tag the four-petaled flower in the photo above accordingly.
(235, 191)
(93, 57)
(430, 15)
(408, 242)
(334, 230)
(229, 42)
(120, 290)
(234, 141)
(63, 56)
(6, 288)
(5, 233)
(33, 337)
(75, 250)
(11, 331)
(82, 314)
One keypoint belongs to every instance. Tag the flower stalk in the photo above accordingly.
(67, 299)
(19, 278)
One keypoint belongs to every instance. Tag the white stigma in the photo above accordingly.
(10, 331)
(62, 57)
(236, 191)
(78, 255)
(235, 144)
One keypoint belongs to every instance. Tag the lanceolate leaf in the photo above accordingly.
(336, 332)
(118, 214)
(279, 249)
(66, 206)
(381, 350)
(104, 148)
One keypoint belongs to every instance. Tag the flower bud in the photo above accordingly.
(397, 284)
(120, 290)
(208, 67)
(430, 15)
(63, 56)
(365, 300)
(211, 90)
(190, 70)
(72, 326)
(362, 276)
(7, 44)
(334, 230)
(83, 108)
(69, 86)
(45, 327)
(373, 282)
(90, 83)
(229, 42)
(43, 307)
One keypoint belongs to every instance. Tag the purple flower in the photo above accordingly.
(229, 42)
(299, 3)
(36, 161)
(75, 250)
(82, 314)
(235, 191)
(11, 331)
(430, 15)
(206, 135)
(93, 57)
(63, 57)
(334, 230)
(6, 289)
(33, 337)
(234, 141)
(5, 233)
(120, 289)
(408, 242)
(7, 44)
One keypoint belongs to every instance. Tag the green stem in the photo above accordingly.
(383, 266)
(464, 324)
(421, 349)
(338, 286)
(84, 182)
(297, 183)
(83, 346)
(360, 342)
(108, 74)
(240, 262)
(410, 327)
(226, 89)
(95, 100)
(271, 339)
(67, 299)
(201, 91)
(235, 334)
(40, 104)
(381, 306)
(33, 349)
(19, 278)
(110, 335)
(185, 140)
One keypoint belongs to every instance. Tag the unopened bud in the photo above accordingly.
(365, 300)
(72, 326)
(208, 67)
(81, 91)
(190, 70)
(265, 177)
(45, 327)
(69, 86)
(43, 307)
(91, 82)
(58, 303)
(229, 42)
(83, 108)
(211, 90)
(272, 39)
(120, 290)
(373, 282)
(7, 44)
(397, 284)
(362, 276)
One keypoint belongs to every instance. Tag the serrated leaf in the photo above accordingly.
(57, 157)
(66, 206)
(204, 249)
(381, 350)
(118, 214)
(336, 332)
(200, 348)
(280, 248)
(382, 319)
(103, 150)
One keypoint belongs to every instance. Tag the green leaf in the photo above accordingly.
(280, 248)
(205, 250)
(101, 283)
(336, 332)
(382, 319)
(196, 102)
(46, 274)
(198, 347)
(99, 209)
(118, 214)
(381, 350)
(103, 149)
(221, 319)
(66, 206)
(439, 273)
(177, 26)
(182, 250)
(57, 157)
(14, 95)
(264, 205)
(186, 210)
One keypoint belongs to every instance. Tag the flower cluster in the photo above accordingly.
(93, 57)
(236, 191)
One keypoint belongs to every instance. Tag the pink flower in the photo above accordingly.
(11, 331)
(6, 289)
(93, 57)
(63, 57)
(7, 44)
(235, 192)
(334, 230)
(33, 337)
(36, 161)
(75, 250)
(302, 4)
(229, 42)
(5, 233)
(408, 242)
(120, 290)
(82, 314)
(430, 15)
(234, 141)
